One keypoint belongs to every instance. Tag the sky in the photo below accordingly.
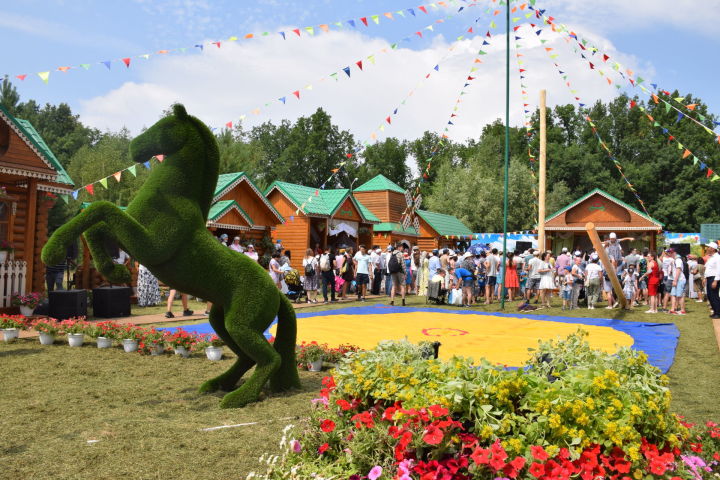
(672, 43)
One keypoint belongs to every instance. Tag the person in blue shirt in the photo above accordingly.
(433, 264)
(467, 279)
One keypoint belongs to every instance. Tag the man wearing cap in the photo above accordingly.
(712, 275)
(563, 260)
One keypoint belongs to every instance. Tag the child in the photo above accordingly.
(567, 286)
(630, 285)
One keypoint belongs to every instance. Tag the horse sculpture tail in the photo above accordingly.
(286, 376)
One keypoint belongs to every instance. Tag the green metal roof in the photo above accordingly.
(394, 227)
(609, 197)
(444, 224)
(228, 180)
(34, 137)
(218, 209)
(378, 184)
(317, 201)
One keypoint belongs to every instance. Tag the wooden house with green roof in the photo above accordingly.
(386, 200)
(319, 217)
(240, 209)
(31, 178)
(566, 228)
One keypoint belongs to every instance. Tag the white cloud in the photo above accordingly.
(222, 84)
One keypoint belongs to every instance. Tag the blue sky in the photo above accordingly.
(667, 41)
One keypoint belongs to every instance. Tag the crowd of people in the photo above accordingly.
(663, 281)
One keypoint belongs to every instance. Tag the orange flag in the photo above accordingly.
(687, 153)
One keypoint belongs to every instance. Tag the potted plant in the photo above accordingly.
(152, 342)
(104, 333)
(212, 345)
(5, 250)
(48, 329)
(27, 302)
(11, 326)
(75, 329)
(181, 341)
(310, 356)
(131, 336)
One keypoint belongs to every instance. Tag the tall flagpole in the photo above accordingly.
(507, 148)
(543, 162)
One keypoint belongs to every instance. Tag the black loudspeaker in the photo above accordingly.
(681, 248)
(111, 302)
(522, 246)
(68, 303)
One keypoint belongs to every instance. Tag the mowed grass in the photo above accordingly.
(147, 415)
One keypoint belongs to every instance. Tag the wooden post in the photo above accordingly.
(87, 263)
(30, 226)
(595, 239)
(542, 174)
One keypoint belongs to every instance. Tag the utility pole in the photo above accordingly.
(507, 150)
(543, 163)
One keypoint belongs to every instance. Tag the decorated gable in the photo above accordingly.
(599, 210)
(347, 211)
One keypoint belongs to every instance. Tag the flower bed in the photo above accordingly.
(305, 353)
(571, 412)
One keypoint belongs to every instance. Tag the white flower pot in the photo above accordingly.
(130, 345)
(315, 366)
(75, 339)
(104, 342)
(3, 256)
(182, 351)
(157, 349)
(26, 311)
(47, 338)
(214, 353)
(10, 333)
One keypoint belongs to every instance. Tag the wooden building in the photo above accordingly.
(386, 200)
(566, 228)
(240, 209)
(31, 177)
(319, 217)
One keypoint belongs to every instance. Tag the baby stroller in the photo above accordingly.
(296, 291)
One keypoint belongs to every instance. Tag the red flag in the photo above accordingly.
(90, 189)
(709, 172)
(388, 120)
(217, 44)
(419, 34)
(364, 20)
(471, 78)
(160, 157)
(605, 58)
(592, 67)
(359, 64)
(21, 77)
(470, 30)
(349, 155)
(64, 69)
(297, 94)
(422, 8)
(126, 61)
(297, 30)
(228, 124)
(633, 103)
(671, 138)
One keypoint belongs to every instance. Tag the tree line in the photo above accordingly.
(466, 178)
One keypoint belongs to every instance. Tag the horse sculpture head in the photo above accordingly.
(166, 137)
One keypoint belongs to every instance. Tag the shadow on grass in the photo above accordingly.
(18, 353)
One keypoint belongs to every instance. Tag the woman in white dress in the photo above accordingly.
(547, 284)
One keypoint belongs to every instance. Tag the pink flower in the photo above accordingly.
(295, 445)
(375, 472)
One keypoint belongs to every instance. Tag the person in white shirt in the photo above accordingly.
(667, 262)
(235, 245)
(712, 275)
(251, 253)
(362, 272)
(679, 282)
(593, 276)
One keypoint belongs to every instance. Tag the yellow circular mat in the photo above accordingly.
(499, 339)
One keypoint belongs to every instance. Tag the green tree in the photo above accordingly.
(389, 158)
(9, 96)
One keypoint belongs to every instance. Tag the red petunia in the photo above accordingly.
(438, 411)
(327, 426)
(536, 470)
(539, 453)
(343, 404)
(433, 435)
(323, 448)
(481, 456)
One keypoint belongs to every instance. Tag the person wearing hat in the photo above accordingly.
(224, 239)
(712, 275)
(251, 253)
(235, 245)
(566, 282)
(593, 273)
(563, 260)
(433, 264)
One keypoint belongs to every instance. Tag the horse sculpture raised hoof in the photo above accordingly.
(164, 229)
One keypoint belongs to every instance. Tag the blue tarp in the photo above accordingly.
(657, 340)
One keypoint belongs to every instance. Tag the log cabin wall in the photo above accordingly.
(377, 202)
(249, 201)
(396, 205)
(295, 234)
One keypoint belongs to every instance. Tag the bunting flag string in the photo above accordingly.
(366, 21)
(103, 182)
(686, 153)
(628, 75)
(230, 124)
(582, 108)
(387, 122)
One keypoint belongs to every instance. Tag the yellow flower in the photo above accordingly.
(554, 420)
(635, 410)
(637, 474)
(634, 453)
(486, 432)
(552, 450)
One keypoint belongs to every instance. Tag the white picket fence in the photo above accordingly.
(12, 280)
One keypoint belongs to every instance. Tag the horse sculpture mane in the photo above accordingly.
(164, 229)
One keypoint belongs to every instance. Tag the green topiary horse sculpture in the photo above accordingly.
(164, 229)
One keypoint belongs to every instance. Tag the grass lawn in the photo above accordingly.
(146, 413)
